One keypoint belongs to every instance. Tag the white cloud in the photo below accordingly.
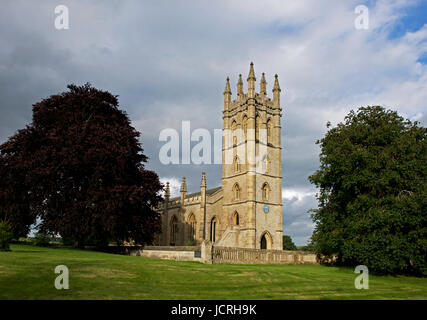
(417, 117)
(174, 186)
(299, 195)
(296, 219)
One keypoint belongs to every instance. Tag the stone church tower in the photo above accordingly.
(246, 210)
(251, 170)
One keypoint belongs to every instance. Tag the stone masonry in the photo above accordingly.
(246, 210)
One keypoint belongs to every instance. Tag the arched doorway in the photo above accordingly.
(173, 231)
(265, 242)
(214, 225)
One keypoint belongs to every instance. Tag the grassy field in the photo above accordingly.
(27, 272)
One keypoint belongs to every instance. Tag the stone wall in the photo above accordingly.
(224, 255)
(209, 254)
(178, 253)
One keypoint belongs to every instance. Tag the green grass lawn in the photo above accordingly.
(27, 272)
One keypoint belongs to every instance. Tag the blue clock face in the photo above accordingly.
(266, 209)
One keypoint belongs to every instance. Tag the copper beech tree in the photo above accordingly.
(79, 168)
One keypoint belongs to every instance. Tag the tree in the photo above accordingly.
(5, 235)
(288, 243)
(79, 167)
(14, 202)
(372, 200)
(308, 247)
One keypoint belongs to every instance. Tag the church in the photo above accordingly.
(246, 210)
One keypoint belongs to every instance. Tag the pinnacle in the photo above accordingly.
(251, 75)
(263, 77)
(183, 185)
(227, 86)
(203, 183)
(276, 83)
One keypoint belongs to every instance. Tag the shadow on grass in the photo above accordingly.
(25, 251)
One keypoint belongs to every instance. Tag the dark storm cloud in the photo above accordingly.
(168, 62)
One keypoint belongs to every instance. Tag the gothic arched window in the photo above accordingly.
(214, 224)
(233, 132)
(245, 126)
(265, 191)
(236, 191)
(258, 127)
(192, 228)
(236, 164)
(269, 131)
(266, 164)
(173, 231)
(236, 218)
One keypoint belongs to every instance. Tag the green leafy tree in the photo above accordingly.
(372, 201)
(288, 243)
(42, 239)
(308, 247)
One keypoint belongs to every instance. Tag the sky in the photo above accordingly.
(168, 61)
